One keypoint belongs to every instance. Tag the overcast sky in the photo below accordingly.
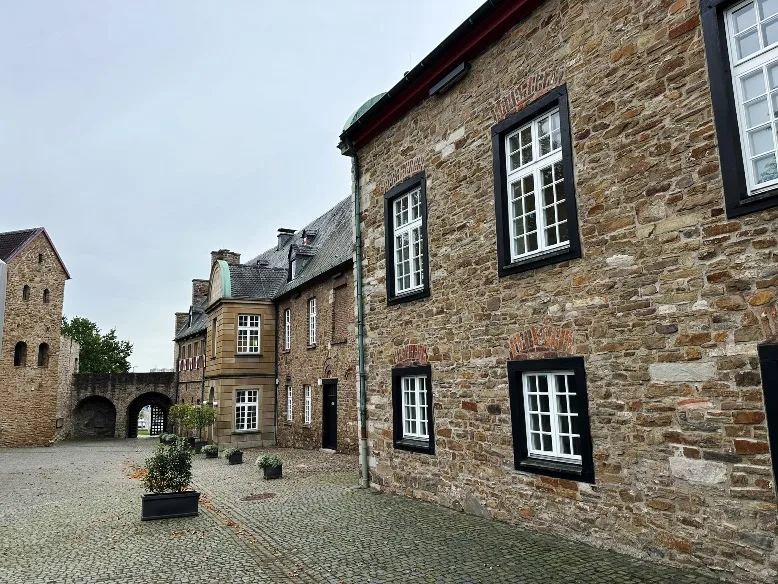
(144, 134)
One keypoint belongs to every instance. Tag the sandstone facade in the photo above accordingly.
(666, 305)
(34, 295)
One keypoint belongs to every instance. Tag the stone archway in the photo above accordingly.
(94, 417)
(157, 401)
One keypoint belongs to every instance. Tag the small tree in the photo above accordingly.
(177, 417)
(200, 417)
(169, 468)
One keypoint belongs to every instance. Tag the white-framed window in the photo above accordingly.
(414, 407)
(248, 333)
(307, 411)
(246, 409)
(287, 329)
(536, 198)
(213, 339)
(551, 416)
(407, 223)
(289, 403)
(292, 269)
(752, 38)
(312, 321)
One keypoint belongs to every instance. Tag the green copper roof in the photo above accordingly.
(226, 283)
(362, 109)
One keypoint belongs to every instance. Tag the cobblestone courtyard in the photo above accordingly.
(70, 513)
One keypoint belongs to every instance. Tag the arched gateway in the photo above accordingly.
(108, 404)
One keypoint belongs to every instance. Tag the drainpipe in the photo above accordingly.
(202, 389)
(275, 380)
(365, 480)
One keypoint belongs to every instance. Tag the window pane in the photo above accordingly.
(770, 32)
(744, 18)
(547, 443)
(532, 241)
(576, 445)
(561, 404)
(747, 44)
(513, 143)
(543, 384)
(544, 403)
(757, 113)
(761, 141)
(753, 85)
(536, 441)
(765, 168)
(565, 444)
(564, 424)
(574, 424)
(545, 423)
(534, 422)
(533, 403)
(532, 383)
(768, 7)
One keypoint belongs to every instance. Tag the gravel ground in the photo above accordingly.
(71, 514)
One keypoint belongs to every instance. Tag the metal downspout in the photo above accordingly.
(365, 479)
(275, 380)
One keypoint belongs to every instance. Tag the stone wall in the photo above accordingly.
(666, 306)
(334, 357)
(93, 393)
(68, 366)
(28, 409)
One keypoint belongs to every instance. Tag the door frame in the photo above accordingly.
(324, 416)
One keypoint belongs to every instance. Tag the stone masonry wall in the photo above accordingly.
(303, 365)
(28, 409)
(68, 365)
(666, 306)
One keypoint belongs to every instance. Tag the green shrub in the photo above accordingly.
(210, 449)
(269, 460)
(199, 417)
(168, 438)
(177, 417)
(230, 451)
(169, 468)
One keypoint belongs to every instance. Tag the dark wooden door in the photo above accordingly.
(329, 418)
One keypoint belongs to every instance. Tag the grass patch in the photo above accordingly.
(143, 432)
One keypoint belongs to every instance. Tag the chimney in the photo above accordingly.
(181, 318)
(228, 256)
(284, 235)
(199, 292)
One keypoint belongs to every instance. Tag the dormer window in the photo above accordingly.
(292, 269)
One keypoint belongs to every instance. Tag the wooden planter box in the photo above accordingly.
(272, 472)
(235, 458)
(169, 505)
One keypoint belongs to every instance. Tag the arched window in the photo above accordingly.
(210, 396)
(46, 296)
(26, 292)
(20, 354)
(43, 355)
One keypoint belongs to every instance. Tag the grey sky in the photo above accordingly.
(144, 134)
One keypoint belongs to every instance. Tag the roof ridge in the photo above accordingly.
(20, 230)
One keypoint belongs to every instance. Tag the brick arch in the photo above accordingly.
(542, 341)
(411, 354)
(94, 417)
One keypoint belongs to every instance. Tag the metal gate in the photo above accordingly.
(157, 421)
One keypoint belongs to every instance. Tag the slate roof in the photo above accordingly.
(332, 246)
(199, 324)
(12, 242)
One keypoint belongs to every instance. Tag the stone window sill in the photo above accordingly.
(248, 354)
(311, 346)
(414, 445)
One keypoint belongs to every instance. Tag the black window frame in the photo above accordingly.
(768, 368)
(555, 98)
(410, 444)
(418, 180)
(521, 459)
(733, 173)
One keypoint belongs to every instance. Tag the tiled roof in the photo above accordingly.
(332, 246)
(199, 323)
(12, 242)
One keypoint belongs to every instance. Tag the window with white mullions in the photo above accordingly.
(307, 405)
(408, 243)
(414, 407)
(248, 333)
(537, 209)
(551, 416)
(289, 403)
(312, 322)
(246, 409)
(752, 33)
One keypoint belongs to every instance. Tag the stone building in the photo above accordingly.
(32, 289)
(239, 312)
(69, 350)
(316, 343)
(569, 226)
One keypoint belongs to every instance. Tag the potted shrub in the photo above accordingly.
(270, 465)
(169, 472)
(168, 439)
(210, 450)
(199, 417)
(233, 455)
